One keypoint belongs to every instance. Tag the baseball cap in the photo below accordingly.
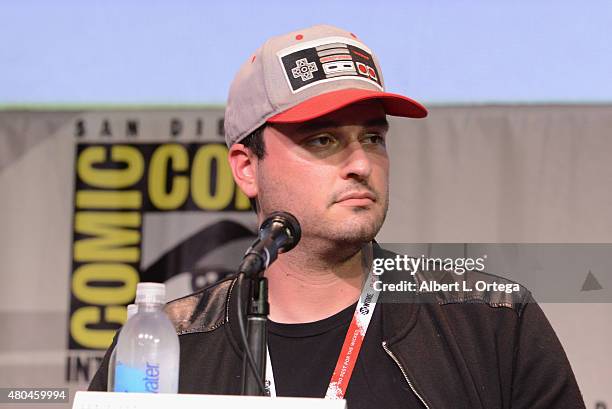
(306, 74)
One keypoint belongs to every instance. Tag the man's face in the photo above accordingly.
(332, 173)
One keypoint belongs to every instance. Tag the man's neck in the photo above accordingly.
(305, 288)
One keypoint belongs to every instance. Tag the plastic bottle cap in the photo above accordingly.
(131, 310)
(150, 293)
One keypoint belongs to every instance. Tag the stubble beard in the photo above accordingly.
(333, 238)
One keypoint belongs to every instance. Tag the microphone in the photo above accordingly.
(280, 232)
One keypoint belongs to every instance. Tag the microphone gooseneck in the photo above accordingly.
(280, 232)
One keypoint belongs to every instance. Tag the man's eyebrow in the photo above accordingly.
(315, 125)
(377, 123)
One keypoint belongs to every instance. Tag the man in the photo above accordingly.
(306, 126)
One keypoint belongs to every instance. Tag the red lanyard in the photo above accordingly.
(350, 348)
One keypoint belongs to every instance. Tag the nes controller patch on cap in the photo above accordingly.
(306, 74)
(328, 59)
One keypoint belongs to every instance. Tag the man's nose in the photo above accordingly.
(357, 163)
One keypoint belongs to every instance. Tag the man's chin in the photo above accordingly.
(357, 229)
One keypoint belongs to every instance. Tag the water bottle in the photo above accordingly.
(147, 358)
(110, 384)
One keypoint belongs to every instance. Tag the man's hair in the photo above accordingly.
(255, 142)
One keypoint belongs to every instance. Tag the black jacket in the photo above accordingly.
(470, 350)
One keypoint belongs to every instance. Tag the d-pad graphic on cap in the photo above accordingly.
(304, 69)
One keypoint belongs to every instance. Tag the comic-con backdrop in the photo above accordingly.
(93, 202)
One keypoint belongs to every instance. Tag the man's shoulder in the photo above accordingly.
(202, 311)
(485, 288)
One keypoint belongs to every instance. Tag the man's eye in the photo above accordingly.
(321, 141)
(374, 138)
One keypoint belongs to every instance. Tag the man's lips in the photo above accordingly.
(357, 198)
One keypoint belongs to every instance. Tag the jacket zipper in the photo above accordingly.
(388, 351)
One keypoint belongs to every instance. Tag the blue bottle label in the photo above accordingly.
(129, 379)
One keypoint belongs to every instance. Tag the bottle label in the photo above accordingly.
(130, 379)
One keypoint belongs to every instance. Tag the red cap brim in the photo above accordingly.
(393, 104)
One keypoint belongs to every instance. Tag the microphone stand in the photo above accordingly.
(279, 232)
(258, 309)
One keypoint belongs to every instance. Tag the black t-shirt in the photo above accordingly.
(304, 357)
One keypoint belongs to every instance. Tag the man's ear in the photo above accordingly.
(244, 168)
